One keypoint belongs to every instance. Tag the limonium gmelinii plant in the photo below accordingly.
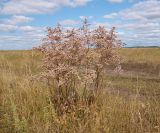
(78, 57)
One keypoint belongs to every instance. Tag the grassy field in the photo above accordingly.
(130, 103)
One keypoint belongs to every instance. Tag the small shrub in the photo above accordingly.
(76, 59)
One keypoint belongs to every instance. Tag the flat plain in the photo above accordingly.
(130, 104)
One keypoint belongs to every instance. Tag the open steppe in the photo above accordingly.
(130, 103)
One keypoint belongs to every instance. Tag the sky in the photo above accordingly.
(23, 23)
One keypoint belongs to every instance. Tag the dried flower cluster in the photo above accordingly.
(78, 57)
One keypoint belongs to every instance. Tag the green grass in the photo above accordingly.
(129, 104)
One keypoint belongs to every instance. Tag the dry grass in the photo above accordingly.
(142, 60)
(130, 103)
(142, 55)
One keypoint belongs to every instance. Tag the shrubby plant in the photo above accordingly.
(77, 59)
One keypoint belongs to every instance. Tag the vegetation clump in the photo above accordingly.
(76, 60)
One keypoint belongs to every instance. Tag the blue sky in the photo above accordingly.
(23, 22)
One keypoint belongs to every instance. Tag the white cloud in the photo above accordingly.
(75, 3)
(27, 28)
(140, 23)
(17, 19)
(11, 42)
(68, 22)
(28, 37)
(112, 15)
(85, 17)
(104, 24)
(38, 6)
(120, 1)
(115, 1)
(144, 10)
(7, 28)
(27, 7)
